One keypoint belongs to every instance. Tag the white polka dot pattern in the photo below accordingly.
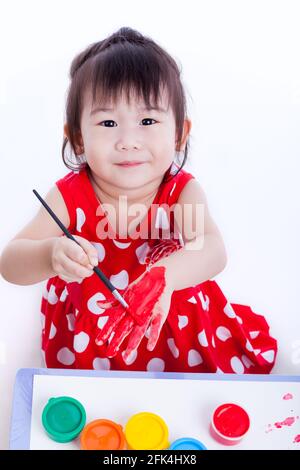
(223, 333)
(194, 358)
(120, 280)
(65, 356)
(92, 305)
(228, 310)
(142, 252)
(203, 339)
(100, 250)
(81, 341)
(156, 365)
(237, 365)
(80, 219)
(162, 220)
(182, 321)
(173, 348)
(131, 358)
(100, 363)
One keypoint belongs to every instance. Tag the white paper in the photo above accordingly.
(185, 405)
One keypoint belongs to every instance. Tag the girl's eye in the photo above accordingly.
(108, 121)
(111, 123)
(148, 119)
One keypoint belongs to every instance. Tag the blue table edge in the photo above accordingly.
(23, 390)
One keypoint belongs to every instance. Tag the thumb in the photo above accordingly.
(89, 249)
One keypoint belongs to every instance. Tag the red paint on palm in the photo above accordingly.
(154, 331)
(141, 297)
(122, 331)
(137, 334)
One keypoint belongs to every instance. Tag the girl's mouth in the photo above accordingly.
(129, 164)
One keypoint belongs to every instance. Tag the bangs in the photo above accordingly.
(129, 70)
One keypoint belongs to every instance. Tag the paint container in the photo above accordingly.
(63, 418)
(229, 424)
(187, 443)
(102, 434)
(147, 431)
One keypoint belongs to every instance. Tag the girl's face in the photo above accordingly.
(126, 133)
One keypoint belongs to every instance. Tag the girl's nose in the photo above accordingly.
(128, 143)
(128, 146)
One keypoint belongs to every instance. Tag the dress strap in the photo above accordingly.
(176, 185)
(68, 188)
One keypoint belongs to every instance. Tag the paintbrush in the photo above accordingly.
(99, 273)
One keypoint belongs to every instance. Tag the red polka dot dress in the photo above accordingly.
(203, 332)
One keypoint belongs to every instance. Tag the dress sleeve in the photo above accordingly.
(67, 188)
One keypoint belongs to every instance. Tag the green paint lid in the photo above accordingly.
(63, 418)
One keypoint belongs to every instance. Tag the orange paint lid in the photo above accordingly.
(102, 434)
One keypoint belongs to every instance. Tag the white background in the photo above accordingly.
(241, 71)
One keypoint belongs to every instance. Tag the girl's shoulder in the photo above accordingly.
(69, 180)
(172, 189)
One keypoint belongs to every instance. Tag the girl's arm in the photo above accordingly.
(204, 253)
(26, 259)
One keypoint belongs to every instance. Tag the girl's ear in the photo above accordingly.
(187, 125)
(79, 148)
(66, 131)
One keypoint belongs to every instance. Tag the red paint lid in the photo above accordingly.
(231, 421)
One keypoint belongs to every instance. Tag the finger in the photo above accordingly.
(124, 328)
(76, 253)
(89, 251)
(75, 269)
(155, 328)
(110, 325)
(135, 339)
(69, 279)
(108, 303)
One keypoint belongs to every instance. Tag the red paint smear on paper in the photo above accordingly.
(280, 424)
(287, 396)
(287, 422)
(297, 438)
(269, 428)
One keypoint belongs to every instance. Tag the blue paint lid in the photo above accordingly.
(187, 443)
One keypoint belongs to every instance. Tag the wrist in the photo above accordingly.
(49, 249)
(169, 277)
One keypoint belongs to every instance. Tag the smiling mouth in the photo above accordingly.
(129, 164)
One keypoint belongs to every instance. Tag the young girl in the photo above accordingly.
(126, 125)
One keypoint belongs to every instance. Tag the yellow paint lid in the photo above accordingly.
(146, 431)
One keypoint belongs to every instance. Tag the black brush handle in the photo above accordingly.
(98, 271)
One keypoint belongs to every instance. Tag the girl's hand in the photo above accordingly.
(155, 324)
(71, 262)
(149, 300)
